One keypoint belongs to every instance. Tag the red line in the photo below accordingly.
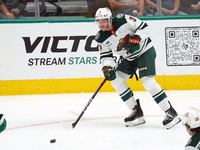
(83, 119)
(32, 125)
(195, 109)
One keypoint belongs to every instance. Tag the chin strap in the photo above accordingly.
(188, 130)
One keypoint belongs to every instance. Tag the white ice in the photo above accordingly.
(33, 120)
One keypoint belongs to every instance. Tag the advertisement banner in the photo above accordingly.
(50, 51)
(68, 50)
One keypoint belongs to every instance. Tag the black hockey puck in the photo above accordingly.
(52, 140)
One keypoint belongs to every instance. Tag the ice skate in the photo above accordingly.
(136, 116)
(171, 118)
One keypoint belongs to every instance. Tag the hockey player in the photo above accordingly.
(191, 121)
(128, 37)
(3, 123)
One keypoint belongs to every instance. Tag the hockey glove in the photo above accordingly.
(109, 72)
(133, 43)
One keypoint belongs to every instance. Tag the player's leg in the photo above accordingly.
(123, 90)
(126, 94)
(147, 62)
(150, 84)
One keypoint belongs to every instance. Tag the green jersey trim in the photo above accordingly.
(118, 22)
(106, 54)
(102, 36)
(194, 141)
(142, 26)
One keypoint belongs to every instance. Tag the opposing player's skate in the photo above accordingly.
(171, 118)
(136, 116)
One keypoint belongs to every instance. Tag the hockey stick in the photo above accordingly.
(83, 111)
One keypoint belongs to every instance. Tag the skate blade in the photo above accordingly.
(174, 122)
(136, 122)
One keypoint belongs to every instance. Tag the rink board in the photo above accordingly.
(61, 55)
(56, 86)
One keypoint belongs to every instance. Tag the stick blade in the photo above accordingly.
(66, 125)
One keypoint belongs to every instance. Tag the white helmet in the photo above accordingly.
(103, 13)
(191, 118)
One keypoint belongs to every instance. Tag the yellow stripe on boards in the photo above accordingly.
(52, 86)
(56, 86)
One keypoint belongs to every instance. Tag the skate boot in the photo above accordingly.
(171, 118)
(136, 116)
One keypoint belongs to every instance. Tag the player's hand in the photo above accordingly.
(133, 43)
(109, 72)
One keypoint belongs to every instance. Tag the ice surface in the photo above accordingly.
(33, 120)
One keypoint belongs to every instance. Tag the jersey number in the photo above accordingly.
(131, 18)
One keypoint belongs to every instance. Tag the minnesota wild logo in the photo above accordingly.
(123, 43)
(97, 36)
(120, 16)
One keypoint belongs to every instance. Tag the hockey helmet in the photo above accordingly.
(103, 13)
(192, 119)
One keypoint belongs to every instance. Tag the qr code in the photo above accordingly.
(182, 46)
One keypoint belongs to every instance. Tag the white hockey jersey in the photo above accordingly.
(117, 39)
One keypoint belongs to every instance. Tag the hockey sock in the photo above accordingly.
(164, 104)
(123, 90)
(127, 97)
(156, 92)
